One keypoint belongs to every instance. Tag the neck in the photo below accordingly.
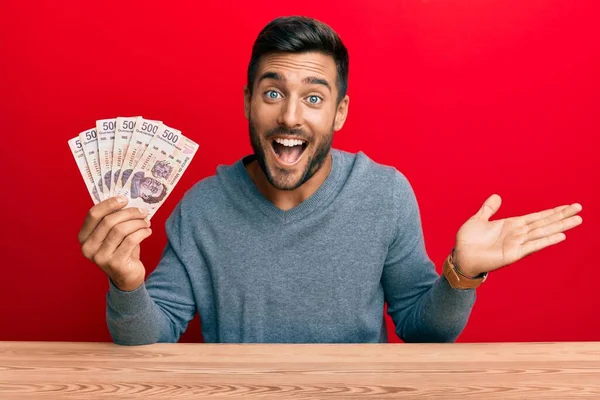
(287, 199)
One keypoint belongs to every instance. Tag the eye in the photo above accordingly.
(314, 99)
(272, 94)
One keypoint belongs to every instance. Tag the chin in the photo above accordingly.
(285, 178)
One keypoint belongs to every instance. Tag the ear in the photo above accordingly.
(341, 113)
(247, 98)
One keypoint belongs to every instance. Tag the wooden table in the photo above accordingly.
(58, 370)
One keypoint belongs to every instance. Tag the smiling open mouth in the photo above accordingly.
(288, 151)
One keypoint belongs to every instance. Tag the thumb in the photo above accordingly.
(490, 206)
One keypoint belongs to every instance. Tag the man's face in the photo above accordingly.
(150, 187)
(292, 115)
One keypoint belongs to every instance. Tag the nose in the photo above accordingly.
(290, 114)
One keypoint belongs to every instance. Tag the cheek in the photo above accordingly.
(263, 118)
(319, 122)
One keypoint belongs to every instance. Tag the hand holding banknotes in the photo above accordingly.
(129, 165)
(111, 237)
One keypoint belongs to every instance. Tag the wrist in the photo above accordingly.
(459, 279)
(469, 273)
(127, 285)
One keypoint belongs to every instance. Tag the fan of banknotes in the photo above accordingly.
(131, 156)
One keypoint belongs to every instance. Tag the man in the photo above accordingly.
(300, 242)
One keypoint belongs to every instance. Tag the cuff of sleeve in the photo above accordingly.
(449, 289)
(128, 303)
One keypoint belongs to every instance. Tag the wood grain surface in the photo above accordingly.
(60, 370)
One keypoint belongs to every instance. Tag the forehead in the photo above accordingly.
(293, 67)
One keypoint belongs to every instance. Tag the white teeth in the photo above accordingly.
(289, 142)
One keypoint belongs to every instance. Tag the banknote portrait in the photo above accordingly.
(162, 169)
(100, 185)
(95, 194)
(147, 188)
(125, 176)
(107, 182)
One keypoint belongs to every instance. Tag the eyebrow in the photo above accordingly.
(311, 80)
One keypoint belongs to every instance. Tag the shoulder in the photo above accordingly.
(382, 192)
(211, 191)
(377, 177)
(205, 190)
(379, 187)
(207, 196)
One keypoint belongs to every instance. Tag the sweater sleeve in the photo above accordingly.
(161, 308)
(422, 304)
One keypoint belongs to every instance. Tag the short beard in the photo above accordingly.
(314, 163)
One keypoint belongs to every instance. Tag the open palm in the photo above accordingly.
(483, 245)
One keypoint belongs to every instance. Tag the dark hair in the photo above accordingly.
(299, 34)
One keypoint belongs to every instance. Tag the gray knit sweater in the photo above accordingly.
(318, 273)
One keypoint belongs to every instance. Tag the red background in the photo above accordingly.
(466, 98)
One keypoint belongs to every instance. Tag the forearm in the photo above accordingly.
(439, 315)
(423, 305)
(133, 318)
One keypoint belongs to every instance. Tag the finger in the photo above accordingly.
(490, 207)
(129, 244)
(112, 220)
(557, 216)
(557, 227)
(97, 213)
(529, 218)
(539, 244)
(115, 237)
(92, 244)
